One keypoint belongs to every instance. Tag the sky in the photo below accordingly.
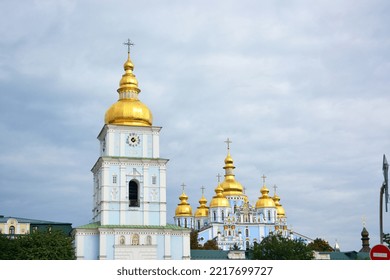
(301, 88)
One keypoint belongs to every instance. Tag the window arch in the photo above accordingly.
(148, 240)
(133, 193)
(135, 240)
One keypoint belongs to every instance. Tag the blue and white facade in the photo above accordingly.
(129, 188)
(232, 221)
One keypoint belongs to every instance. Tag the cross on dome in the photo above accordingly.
(219, 177)
(228, 142)
(129, 44)
(264, 177)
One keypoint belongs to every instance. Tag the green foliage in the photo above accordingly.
(53, 245)
(277, 247)
(211, 245)
(194, 244)
(320, 245)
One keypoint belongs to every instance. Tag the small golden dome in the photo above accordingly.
(230, 185)
(129, 110)
(279, 209)
(265, 201)
(183, 208)
(219, 200)
(202, 210)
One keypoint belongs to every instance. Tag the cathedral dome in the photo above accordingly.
(202, 210)
(230, 185)
(183, 208)
(265, 201)
(129, 110)
(279, 208)
(219, 200)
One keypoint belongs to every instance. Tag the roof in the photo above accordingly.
(351, 255)
(4, 219)
(209, 255)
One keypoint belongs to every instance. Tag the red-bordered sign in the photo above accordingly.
(380, 252)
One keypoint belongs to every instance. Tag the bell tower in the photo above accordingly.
(129, 176)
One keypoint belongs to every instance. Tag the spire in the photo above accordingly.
(218, 199)
(230, 185)
(279, 209)
(183, 208)
(128, 83)
(129, 110)
(265, 201)
(365, 238)
(202, 210)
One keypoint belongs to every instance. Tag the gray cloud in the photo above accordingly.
(300, 87)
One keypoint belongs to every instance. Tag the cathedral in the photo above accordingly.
(229, 218)
(129, 212)
(129, 187)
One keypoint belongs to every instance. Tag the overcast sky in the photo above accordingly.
(300, 87)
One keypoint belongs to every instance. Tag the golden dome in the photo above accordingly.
(279, 209)
(219, 200)
(265, 201)
(230, 185)
(129, 110)
(202, 210)
(183, 208)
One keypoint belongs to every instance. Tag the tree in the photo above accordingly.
(211, 245)
(54, 245)
(320, 245)
(194, 243)
(277, 247)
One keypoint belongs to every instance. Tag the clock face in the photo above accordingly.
(133, 139)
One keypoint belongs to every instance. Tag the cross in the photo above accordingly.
(183, 186)
(128, 44)
(228, 142)
(275, 187)
(263, 178)
(244, 190)
(202, 189)
(364, 221)
(219, 177)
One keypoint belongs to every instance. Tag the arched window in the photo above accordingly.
(135, 240)
(185, 222)
(247, 232)
(148, 240)
(269, 215)
(247, 245)
(223, 215)
(178, 222)
(198, 224)
(214, 216)
(133, 194)
(11, 230)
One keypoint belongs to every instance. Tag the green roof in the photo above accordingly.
(209, 255)
(31, 221)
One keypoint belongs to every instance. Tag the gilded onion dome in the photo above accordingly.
(279, 209)
(230, 185)
(183, 208)
(202, 210)
(265, 201)
(129, 110)
(218, 199)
